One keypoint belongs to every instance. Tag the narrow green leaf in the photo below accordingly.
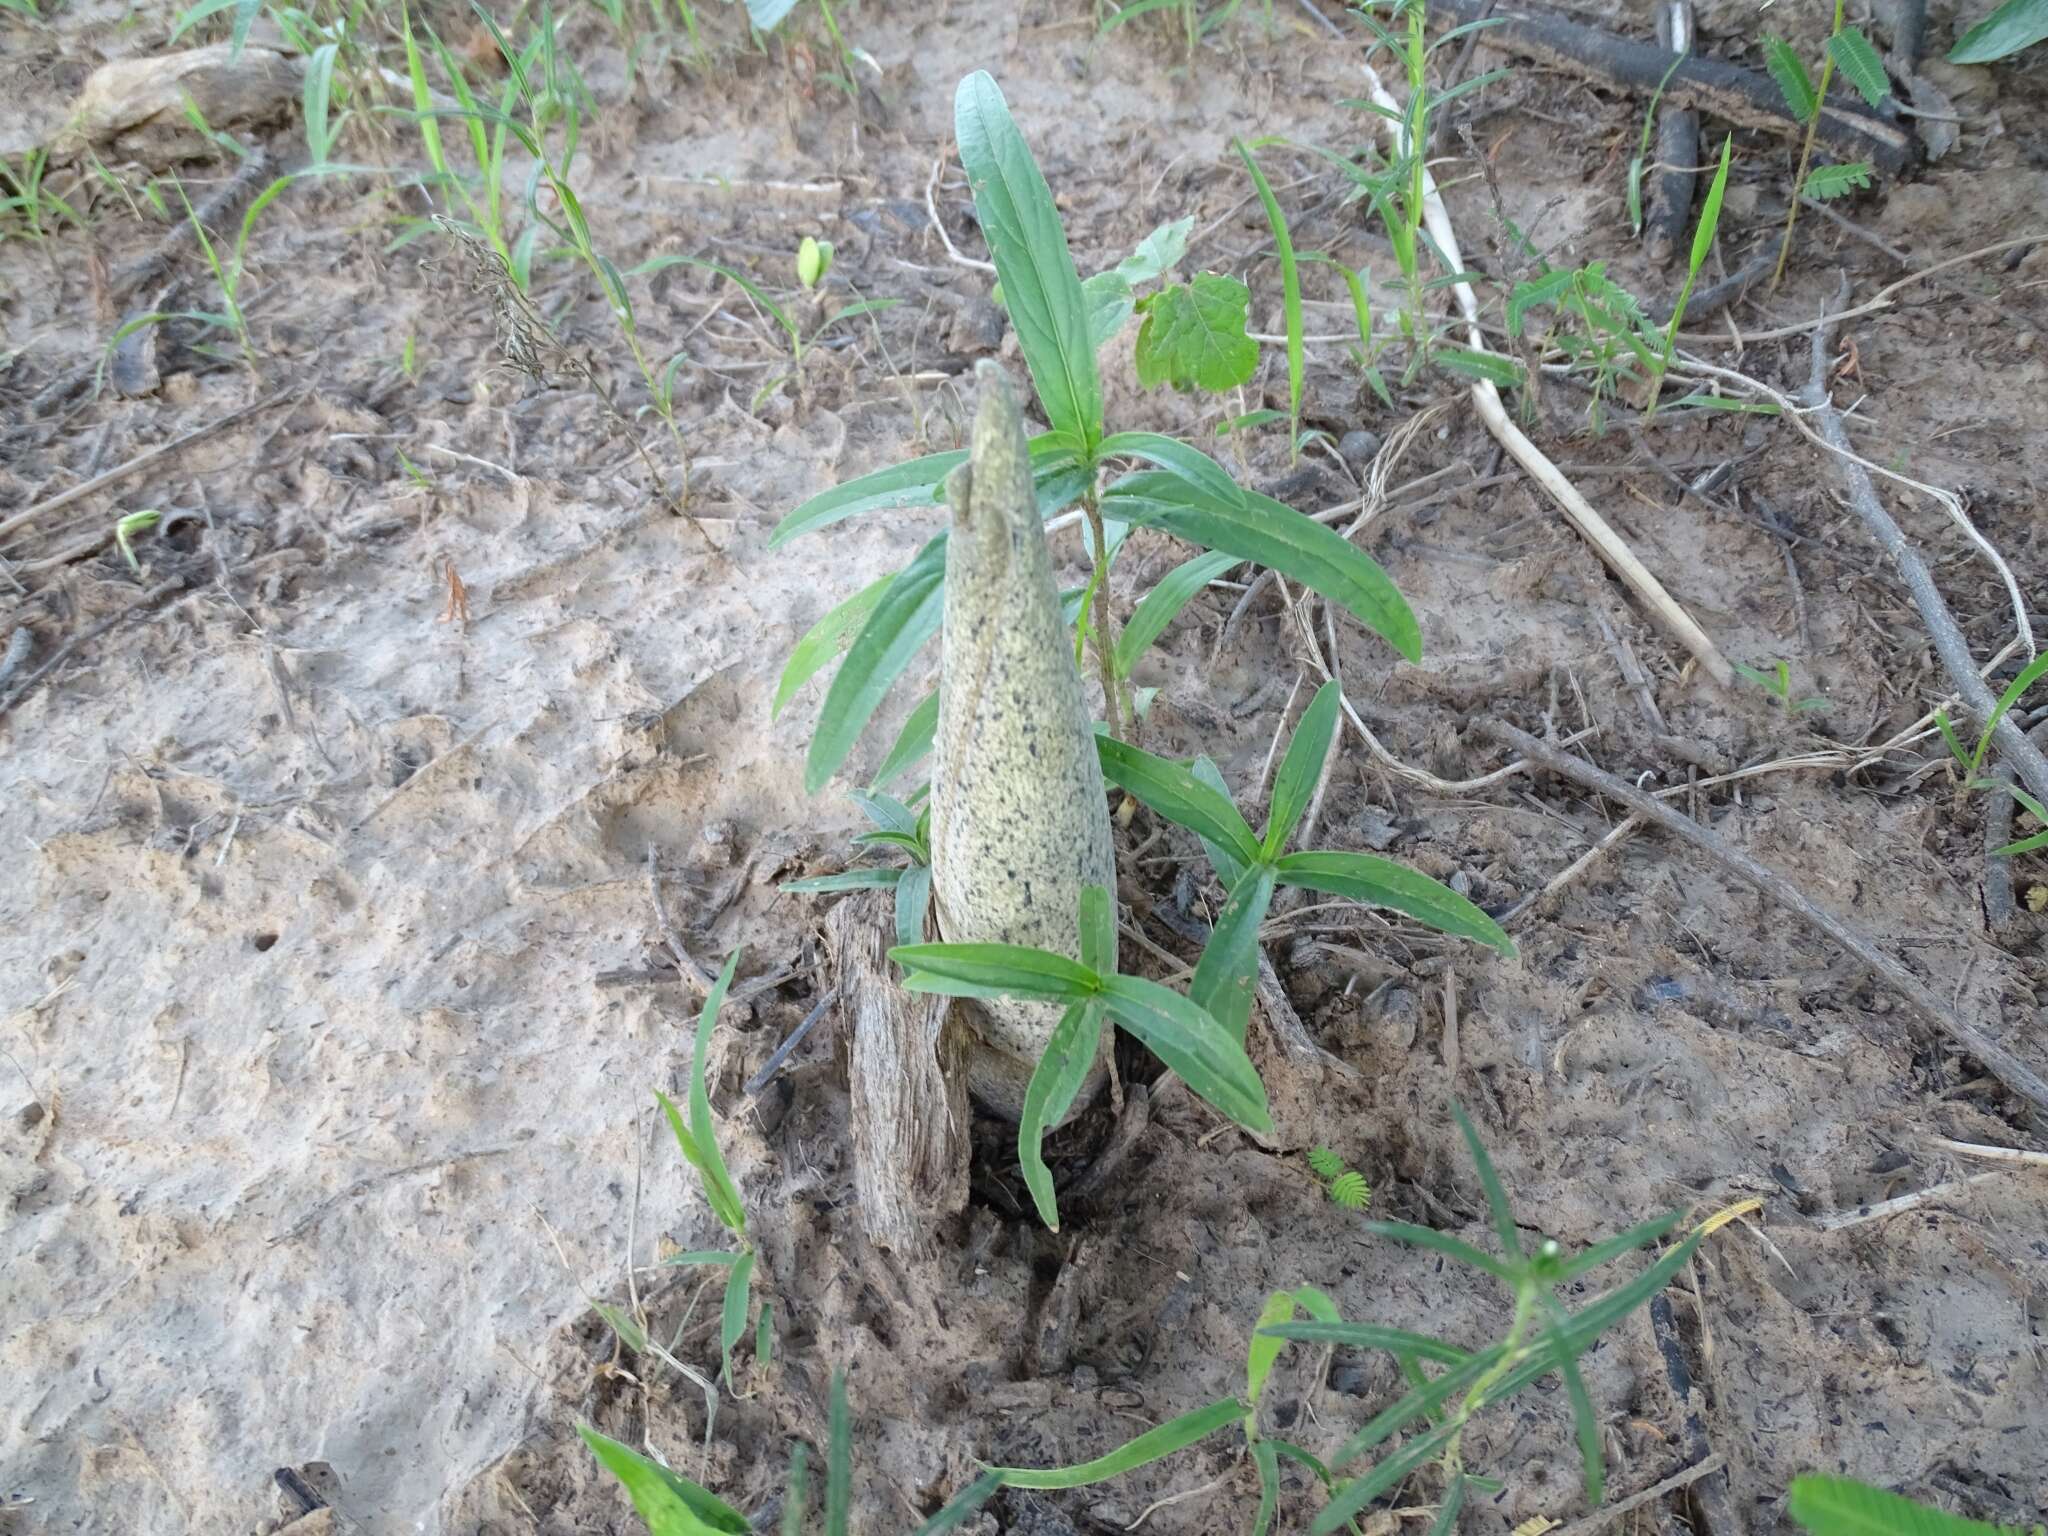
(824, 640)
(1383, 883)
(1290, 279)
(899, 485)
(316, 100)
(1295, 784)
(1369, 1336)
(839, 1461)
(1173, 1435)
(718, 1258)
(732, 1312)
(1268, 1462)
(906, 616)
(1710, 221)
(1182, 459)
(1040, 285)
(1840, 1506)
(1175, 793)
(1609, 1249)
(1163, 604)
(1855, 57)
(2029, 675)
(1546, 289)
(1193, 1044)
(963, 1505)
(996, 970)
(718, 1186)
(1586, 1420)
(1496, 1194)
(2014, 25)
(1227, 975)
(1062, 1069)
(1098, 930)
(1195, 336)
(796, 1498)
(1453, 1505)
(913, 897)
(1349, 1498)
(1228, 866)
(669, 1503)
(1258, 528)
(850, 880)
(1442, 1242)
(914, 741)
(1794, 84)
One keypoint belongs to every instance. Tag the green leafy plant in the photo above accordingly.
(1187, 16)
(1971, 761)
(1841, 1506)
(1542, 1337)
(476, 193)
(1180, 489)
(1776, 680)
(29, 206)
(2014, 25)
(697, 1136)
(1181, 1033)
(1857, 58)
(1639, 161)
(1344, 1184)
(791, 326)
(1253, 867)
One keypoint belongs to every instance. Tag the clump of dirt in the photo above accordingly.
(335, 994)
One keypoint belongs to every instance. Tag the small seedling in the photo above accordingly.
(1971, 762)
(1776, 680)
(29, 203)
(697, 1136)
(1344, 1184)
(1853, 53)
(126, 530)
(813, 260)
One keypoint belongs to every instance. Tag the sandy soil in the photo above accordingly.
(333, 989)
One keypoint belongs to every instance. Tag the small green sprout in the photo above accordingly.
(126, 530)
(1777, 682)
(813, 261)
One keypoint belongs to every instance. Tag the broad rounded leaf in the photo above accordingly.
(2014, 25)
(1194, 336)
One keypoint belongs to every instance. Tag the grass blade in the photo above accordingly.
(1290, 288)
(1040, 283)
(963, 1505)
(1442, 1242)
(1188, 1040)
(848, 880)
(718, 1186)
(796, 1500)
(1369, 1336)
(1268, 1461)
(1840, 1506)
(1489, 1180)
(839, 1461)
(1622, 1242)
(732, 1312)
(2014, 25)
(1173, 1435)
(1383, 883)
